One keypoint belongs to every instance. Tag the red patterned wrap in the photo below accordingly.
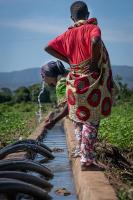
(89, 96)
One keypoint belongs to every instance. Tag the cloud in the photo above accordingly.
(43, 26)
(120, 36)
(57, 26)
(115, 30)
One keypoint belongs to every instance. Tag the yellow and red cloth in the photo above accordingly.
(89, 96)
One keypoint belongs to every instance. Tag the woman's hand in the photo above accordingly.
(51, 120)
(49, 124)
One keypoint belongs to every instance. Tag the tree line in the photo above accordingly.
(25, 94)
(30, 94)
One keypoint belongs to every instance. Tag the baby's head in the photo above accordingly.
(51, 71)
(79, 11)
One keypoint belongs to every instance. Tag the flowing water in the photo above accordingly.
(39, 112)
(60, 166)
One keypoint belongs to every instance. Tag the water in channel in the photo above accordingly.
(61, 167)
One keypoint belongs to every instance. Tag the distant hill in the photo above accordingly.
(126, 72)
(27, 77)
(15, 79)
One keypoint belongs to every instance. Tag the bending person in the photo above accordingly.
(54, 74)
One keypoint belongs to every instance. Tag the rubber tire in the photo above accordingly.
(26, 165)
(14, 186)
(25, 147)
(31, 141)
(28, 178)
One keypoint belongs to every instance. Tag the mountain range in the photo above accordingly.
(15, 79)
(31, 76)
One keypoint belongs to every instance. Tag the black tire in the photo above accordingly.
(25, 165)
(31, 141)
(25, 147)
(42, 161)
(13, 186)
(28, 178)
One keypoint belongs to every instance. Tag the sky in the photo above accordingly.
(26, 26)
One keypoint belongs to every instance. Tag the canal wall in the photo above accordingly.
(90, 185)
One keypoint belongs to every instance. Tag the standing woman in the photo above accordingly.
(89, 82)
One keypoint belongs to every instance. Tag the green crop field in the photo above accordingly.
(118, 128)
(17, 120)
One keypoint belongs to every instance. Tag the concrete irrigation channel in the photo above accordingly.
(49, 175)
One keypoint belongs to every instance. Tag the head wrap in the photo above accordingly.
(53, 69)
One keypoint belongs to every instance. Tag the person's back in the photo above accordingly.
(75, 43)
(89, 82)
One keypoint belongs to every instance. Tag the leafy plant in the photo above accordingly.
(118, 128)
(17, 120)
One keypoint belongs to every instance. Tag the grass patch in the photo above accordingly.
(118, 128)
(17, 121)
